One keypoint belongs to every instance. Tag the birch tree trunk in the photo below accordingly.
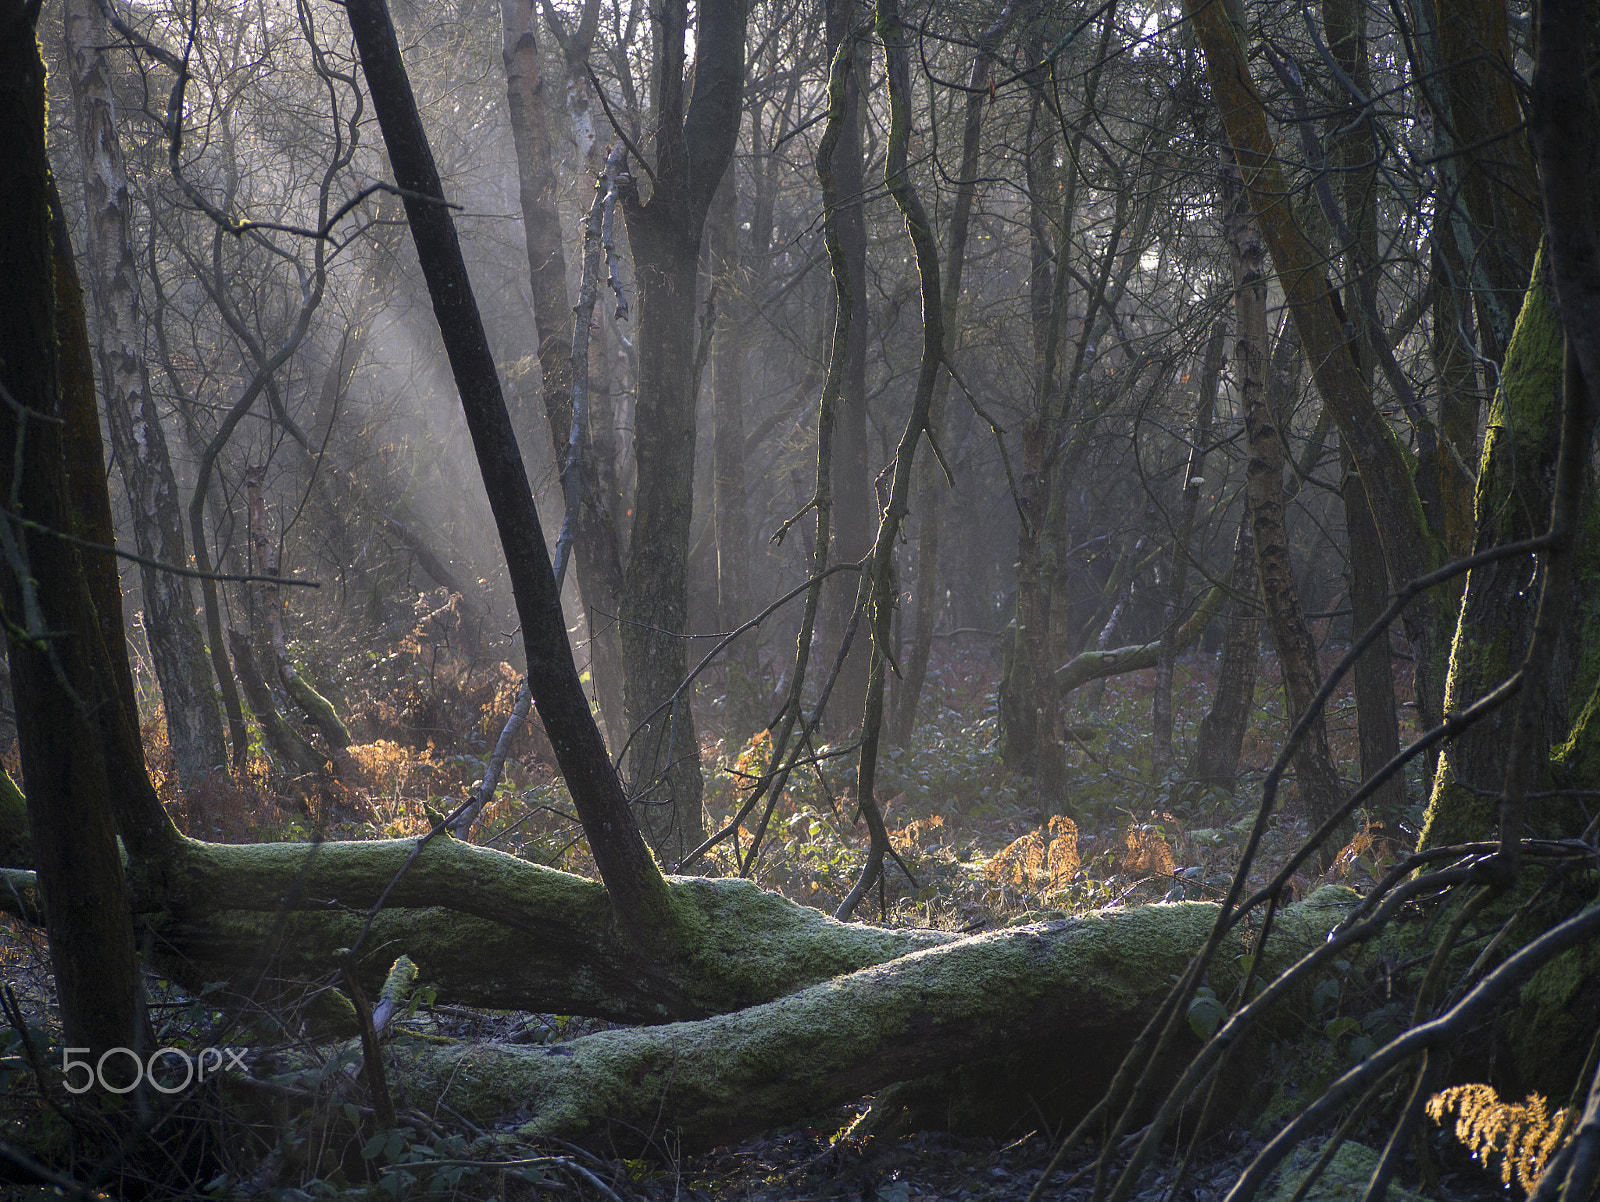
(138, 444)
(595, 546)
(1320, 790)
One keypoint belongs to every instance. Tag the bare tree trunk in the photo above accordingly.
(1320, 789)
(1479, 118)
(878, 590)
(931, 483)
(1409, 545)
(597, 556)
(1221, 738)
(287, 743)
(1377, 722)
(53, 629)
(177, 652)
(693, 147)
(852, 488)
(1193, 481)
(1351, 149)
(633, 880)
(729, 516)
(312, 703)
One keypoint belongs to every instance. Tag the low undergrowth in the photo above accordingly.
(975, 846)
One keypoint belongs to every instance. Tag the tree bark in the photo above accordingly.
(1221, 737)
(852, 485)
(1409, 546)
(52, 625)
(1377, 720)
(177, 652)
(1103, 662)
(1320, 789)
(693, 149)
(313, 704)
(994, 1006)
(287, 743)
(1491, 163)
(633, 880)
(1183, 531)
(730, 519)
(1515, 476)
(931, 482)
(595, 543)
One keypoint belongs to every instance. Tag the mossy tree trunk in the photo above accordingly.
(1515, 474)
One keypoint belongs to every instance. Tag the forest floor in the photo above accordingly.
(979, 848)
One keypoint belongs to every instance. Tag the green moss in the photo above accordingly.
(1094, 979)
(1556, 1016)
(331, 1015)
(15, 850)
(1345, 1177)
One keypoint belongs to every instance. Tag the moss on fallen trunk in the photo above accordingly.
(1076, 991)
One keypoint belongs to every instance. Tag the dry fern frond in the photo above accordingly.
(1521, 1136)
(918, 834)
(1148, 853)
(1044, 859)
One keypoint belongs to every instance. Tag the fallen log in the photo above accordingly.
(1065, 999)
(1093, 665)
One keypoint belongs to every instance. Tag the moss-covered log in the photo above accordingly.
(1065, 999)
(484, 927)
(1094, 665)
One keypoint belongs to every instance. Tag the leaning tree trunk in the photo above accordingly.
(633, 880)
(177, 652)
(1320, 790)
(1408, 544)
